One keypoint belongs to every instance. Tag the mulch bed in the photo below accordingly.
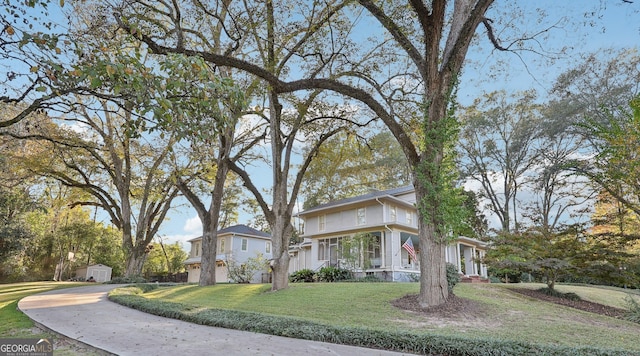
(452, 308)
(455, 306)
(577, 304)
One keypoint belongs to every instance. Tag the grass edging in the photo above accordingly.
(303, 329)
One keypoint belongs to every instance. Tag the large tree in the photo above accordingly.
(405, 72)
(498, 149)
(351, 164)
(432, 55)
(127, 178)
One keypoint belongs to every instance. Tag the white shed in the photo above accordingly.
(99, 272)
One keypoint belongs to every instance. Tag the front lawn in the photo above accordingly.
(17, 325)
(498, 314)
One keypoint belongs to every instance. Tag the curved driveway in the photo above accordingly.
(85, 314)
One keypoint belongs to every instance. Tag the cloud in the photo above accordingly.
(192, 228)
(193, 225)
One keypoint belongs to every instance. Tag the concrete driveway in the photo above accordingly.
(85, 314)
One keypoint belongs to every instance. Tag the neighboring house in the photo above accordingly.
(238, 242)
(388, 219)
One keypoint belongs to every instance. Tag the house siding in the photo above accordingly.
(394, 263)
(232, 250)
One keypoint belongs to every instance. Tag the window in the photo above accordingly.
(267, 247)
(409, 217)
(221, 250)
(363, 251)
(361, 216)
(245, 245)
(322, 222)
(330, 250)
(197, 249)
(393, 214)
(322, 246)
(373, 254)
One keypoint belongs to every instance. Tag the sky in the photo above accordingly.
(592, 25)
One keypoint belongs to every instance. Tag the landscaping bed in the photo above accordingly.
(576, 304)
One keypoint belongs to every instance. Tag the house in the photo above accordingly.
(375, 227)
(237, 243)
(100, 273)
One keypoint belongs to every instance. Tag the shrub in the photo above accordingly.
(303, 275)
(571, 296)
(243, 273)
(453, 277)
(633, 314)
(127, 280)
(555, 293)
(333, 274)
(369, 279)
(506, 275)
(135, 289)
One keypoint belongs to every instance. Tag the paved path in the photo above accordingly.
(85, 314)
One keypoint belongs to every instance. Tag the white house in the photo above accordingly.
(238, 242)
(388, 219)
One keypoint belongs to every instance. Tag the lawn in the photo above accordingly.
(17, 325)
(500, 313)
(14, 323)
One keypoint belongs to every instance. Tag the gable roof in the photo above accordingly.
(376, 194)
(239, 230)
(243, 230)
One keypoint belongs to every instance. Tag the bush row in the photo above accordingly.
(325, 274)
(376, 339)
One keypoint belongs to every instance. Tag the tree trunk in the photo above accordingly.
(551, 280)
(433, 270)
(431, 185)
(134, 262)
(210, 218)
(209, 252)
(281, 233)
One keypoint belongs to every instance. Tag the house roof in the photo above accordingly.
(390, 193)
(94, 265)
(239, 230)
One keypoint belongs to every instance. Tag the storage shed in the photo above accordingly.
(99, 272)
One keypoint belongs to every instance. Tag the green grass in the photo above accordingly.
(14, 323)
(503, 315)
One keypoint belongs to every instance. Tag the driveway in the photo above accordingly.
(85, 314)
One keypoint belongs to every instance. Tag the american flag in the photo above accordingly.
(408, 245)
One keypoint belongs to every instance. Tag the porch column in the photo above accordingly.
(383, 250)
(446, 254)
(459, 259)
(483, 267)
